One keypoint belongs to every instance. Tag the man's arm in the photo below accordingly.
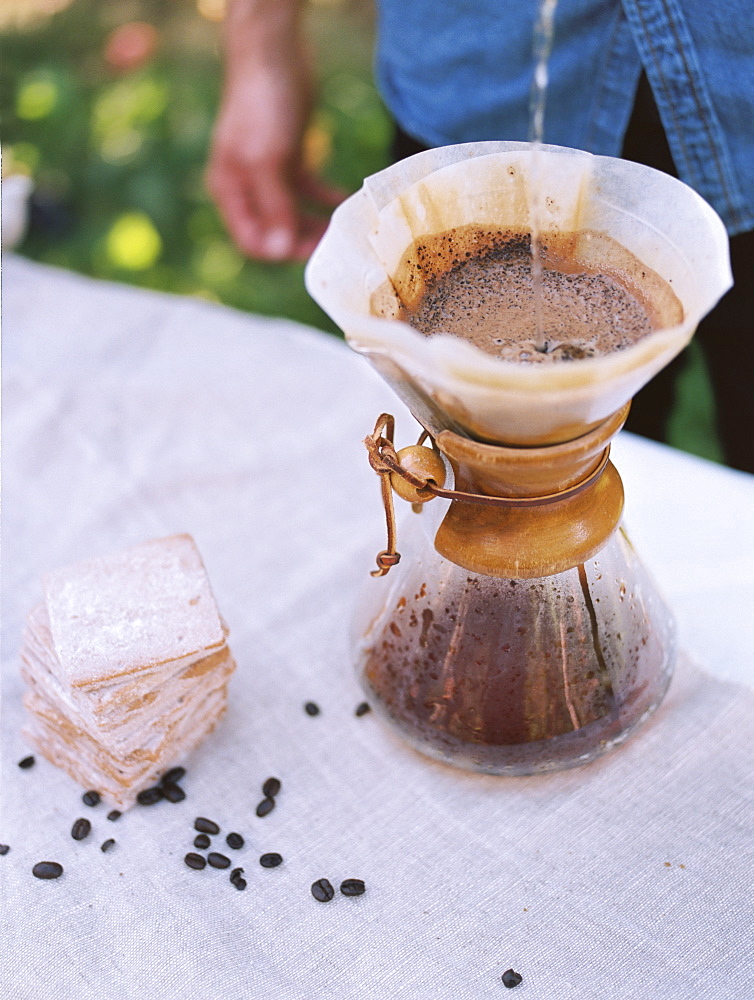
(256, 174)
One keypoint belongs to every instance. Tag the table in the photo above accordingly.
(129, 415)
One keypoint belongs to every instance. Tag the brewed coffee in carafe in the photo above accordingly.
(518, 675)
(510, 627)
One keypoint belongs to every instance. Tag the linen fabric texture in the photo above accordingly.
(130, 415)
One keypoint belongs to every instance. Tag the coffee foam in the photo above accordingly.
(476, 283)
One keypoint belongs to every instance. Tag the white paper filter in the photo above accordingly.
(449, 383)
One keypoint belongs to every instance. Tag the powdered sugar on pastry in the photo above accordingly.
(127, 666)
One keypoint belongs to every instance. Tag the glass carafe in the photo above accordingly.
(519, 633)
(513, 676)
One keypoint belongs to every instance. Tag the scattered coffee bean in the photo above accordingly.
(363, 708)
(322, 890)
(173, 793)
(4, 848)
(311, 708)
(26, 763)
(113, 815)
(90, 798)
(149, 796)
(271, 860)
(202, 841)
(511, 979)
(173, 776)
(205, 825)
(271, 787)
(240, 883)
(353, 887)
(106, 845)
(265, 806)
(195, 861)
(218, 860)
(81, 829)
(47, 869)
(236, 874)
(234, 840)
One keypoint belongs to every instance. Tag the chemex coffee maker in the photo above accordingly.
(510, 627)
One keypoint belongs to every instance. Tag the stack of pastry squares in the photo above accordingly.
(127, 666)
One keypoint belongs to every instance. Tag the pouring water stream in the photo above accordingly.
(544, 31)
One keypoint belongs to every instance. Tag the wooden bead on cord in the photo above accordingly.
(424, 463)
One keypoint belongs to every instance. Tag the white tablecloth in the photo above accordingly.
(130, 415)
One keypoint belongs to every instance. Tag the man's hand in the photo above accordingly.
(269, 201)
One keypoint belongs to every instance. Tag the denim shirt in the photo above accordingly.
(461, 70)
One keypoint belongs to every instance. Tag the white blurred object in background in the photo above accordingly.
(15, 192)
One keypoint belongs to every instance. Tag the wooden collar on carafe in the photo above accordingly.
(528, 540)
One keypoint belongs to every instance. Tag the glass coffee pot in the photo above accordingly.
(510, 627)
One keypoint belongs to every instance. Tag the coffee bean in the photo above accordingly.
(271, 787)
(106, 845)
(80, 829)
(271, 860)
(47, 869)
(202, 841)
(205, 825)
(173, 793)
(240, 883)
(4, 848)
(511, 979)
(149, 796)
(353, 887)
(362, 709)
(113, 815)
(195, 861)
(90, 798)
(173, 776)
(26, 763)
(322, 890)
(236, 874)
(218, 860)
(311, 708)
(234, 840)
(265, 807)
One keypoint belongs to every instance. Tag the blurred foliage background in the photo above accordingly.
(109, 106)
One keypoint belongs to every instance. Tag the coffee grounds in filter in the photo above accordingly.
(477, 285)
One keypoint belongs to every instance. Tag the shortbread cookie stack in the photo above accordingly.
(127, 666)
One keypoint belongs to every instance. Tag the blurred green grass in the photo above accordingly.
(118, 155)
